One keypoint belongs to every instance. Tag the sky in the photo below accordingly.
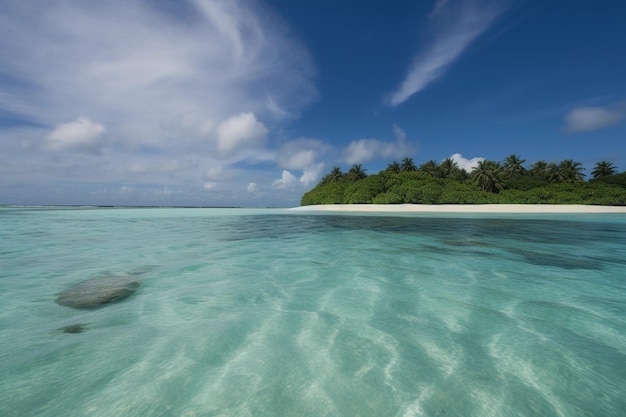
(250, 103)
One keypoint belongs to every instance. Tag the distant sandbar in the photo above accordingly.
(465, 208)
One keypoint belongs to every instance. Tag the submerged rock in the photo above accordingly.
(97, 292)
(73, 328)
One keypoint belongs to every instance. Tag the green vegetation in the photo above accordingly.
(490, 182)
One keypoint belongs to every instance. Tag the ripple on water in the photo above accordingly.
(315, 316)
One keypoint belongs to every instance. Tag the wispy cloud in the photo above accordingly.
(455, 25)
(438, 8)
(587, 119)
(131, 58)
(138, 84)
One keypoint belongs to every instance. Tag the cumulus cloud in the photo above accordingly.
(365, 150)
(466, 164)
(251, 187)
(587, 119)
(300, 153)
(200, 84)
(456, 26)
(293, 156)
(242, 131)
(287, 180)
(303, 155)
(81, 134)
(312, 173)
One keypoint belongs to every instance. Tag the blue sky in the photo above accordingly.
(250, 103)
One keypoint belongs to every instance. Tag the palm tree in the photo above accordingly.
(603, 169)
(356, 173)
(539, 169)
(408, 165)
(513, 166)
(335, 174)
(394, 167)
(448, 168)
(430, 168)
(553, 173)
(488, 175)
(571, 171)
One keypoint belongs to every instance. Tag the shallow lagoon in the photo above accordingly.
(271, 312)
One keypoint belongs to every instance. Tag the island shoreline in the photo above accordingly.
(465, 208)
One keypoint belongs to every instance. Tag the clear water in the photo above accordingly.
(273, 313)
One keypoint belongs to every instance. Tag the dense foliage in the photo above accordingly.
(489, 182)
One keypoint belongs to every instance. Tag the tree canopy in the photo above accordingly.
(603, 169)
(490, 182)
(356, 173)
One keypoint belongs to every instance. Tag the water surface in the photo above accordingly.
(276, 313)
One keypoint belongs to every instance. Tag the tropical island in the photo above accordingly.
(489, 182)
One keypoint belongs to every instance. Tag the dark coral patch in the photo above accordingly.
(73, 328)
(98, 292)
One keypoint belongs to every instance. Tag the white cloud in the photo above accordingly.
(466, 164)
(194, 125)
(300, 153)
(81, 134)
(299, 159)
(303, 155)
(398, 133)
(180, 91)
(364, 150)
(277, 111)
(208, 186)
(242, 131)
(458, 26)
(586, 119)
(132, 60)
(312, 173)
(287, 180)
(251, 187)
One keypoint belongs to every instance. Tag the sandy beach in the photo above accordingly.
(464, 208)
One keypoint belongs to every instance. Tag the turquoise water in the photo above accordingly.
(277, 313)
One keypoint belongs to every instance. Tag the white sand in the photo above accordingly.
(465, 208)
